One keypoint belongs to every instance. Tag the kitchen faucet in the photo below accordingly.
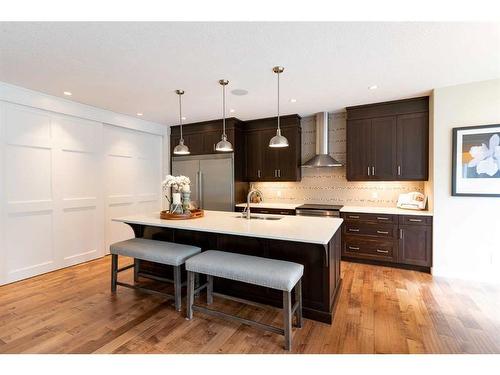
(249, 196)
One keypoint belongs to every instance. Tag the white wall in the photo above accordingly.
(64, 174)
(466, 229)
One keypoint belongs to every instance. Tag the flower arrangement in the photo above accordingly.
(486, 159)
(177, 183)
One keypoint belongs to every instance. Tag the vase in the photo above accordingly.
(186, 200)
(176, 206)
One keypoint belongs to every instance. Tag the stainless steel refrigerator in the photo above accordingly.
(212, 179)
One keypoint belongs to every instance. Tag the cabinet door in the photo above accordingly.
(269, 156)
(358, 149)
(415, 245)
(193, 141)
(383, 148)
(413, 146)
(289, 157)
(253, 169)
(210, 139)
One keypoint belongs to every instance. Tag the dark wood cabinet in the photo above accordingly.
(388, 141)
(400, 240)
(264, 163)
(413, 146)
(415, 244)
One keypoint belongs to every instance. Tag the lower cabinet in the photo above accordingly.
(398, 239)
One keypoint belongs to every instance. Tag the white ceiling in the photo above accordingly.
(135, 67)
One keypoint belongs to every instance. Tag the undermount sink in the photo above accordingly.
(253, 217)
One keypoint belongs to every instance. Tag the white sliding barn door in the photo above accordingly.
(78, 184)
(28, 199)
(132, 177)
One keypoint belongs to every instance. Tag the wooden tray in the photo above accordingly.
(194, 214)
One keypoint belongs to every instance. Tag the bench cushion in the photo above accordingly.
(173, 254)
(271, 273)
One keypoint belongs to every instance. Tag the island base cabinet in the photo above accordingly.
(320, 283)
(415, 245)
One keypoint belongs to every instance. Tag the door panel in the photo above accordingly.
(358, 149)
(413, 146)
(383, 148)
(287, 156)
(254, 156)
(217, 184)
(269, 155)
(415, 245)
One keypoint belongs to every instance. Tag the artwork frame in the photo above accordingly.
(476, 161)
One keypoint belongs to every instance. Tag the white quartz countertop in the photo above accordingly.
(317, 230)
(284, 206)
(384, 210)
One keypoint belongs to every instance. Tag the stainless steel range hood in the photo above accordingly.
(322, 158)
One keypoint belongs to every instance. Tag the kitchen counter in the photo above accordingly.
(385, 210)
(288, 228)
(311, 241)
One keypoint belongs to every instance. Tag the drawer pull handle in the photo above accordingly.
(383, 251)
(353, 248)
(382, 232)
(353, 217)
(382, 218)
(415, 220)
(353, 230)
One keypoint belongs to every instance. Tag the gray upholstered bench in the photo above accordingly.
(169, 253)
(271, 273)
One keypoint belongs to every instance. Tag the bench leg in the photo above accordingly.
(177, 287)
(287, 319)
(210, 289)
(298, 299)
(136, 270)
(190, 295)
(114, 272)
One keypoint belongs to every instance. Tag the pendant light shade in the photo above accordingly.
(224, 145)
(278, 140)
(181, 148)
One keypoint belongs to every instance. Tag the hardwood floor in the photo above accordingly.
(381, 310)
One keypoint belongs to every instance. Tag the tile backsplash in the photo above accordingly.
(329, 185)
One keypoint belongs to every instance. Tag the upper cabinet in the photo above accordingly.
(388, 141)
(201, 138)
(264, 163)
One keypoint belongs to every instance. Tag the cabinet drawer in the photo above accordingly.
(376, 218)
(377, 230)
(362, 248)
(415, 220)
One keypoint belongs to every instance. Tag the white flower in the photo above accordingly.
(486, 159)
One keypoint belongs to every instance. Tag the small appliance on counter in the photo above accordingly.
(412, 201)
(324, 210)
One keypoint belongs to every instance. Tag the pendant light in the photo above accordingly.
(181, 148)
(278, 140)
(224, 145)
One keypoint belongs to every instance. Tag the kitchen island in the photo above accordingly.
(311, 241)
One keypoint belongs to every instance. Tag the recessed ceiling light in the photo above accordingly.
(239, 92)
(139, 114)
(67, 93)
(372, 87)
(232, 110)
(183, 117)
(293, 100)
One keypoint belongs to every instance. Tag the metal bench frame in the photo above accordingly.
(176, 281)
(288, 310)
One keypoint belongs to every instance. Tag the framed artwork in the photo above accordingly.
(476, 161)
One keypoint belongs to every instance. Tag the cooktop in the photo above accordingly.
(320, 207)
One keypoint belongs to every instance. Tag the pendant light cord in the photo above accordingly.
(278, 101)
(180, 115)
(224, 110)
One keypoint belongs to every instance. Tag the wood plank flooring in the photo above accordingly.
(381, 310)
